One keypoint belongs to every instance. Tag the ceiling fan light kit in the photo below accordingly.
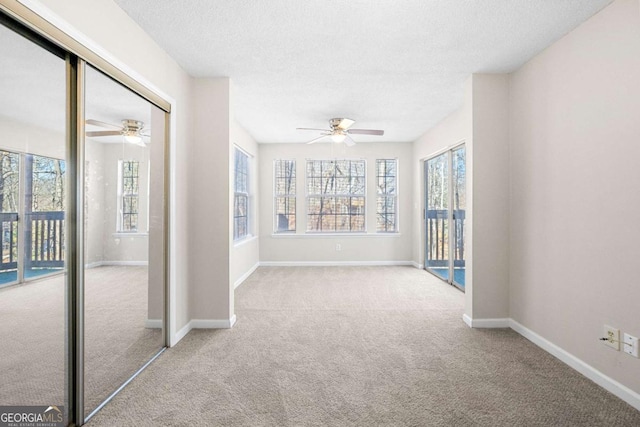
(130, 130)
(339, 131)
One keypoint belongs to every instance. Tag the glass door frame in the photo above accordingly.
(451, 238)
(25, 22)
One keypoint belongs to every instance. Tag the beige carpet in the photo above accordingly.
(358, 346)
(32, 358)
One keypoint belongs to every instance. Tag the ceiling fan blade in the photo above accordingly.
(344, 124)
(317, 139)
(365, 132)
(322, 130)
(102, 124)
(93, 134)
(349, 142)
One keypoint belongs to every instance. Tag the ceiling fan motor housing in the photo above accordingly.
(130, 127)
(340, 123)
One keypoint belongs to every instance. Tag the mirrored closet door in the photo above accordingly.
(123, 235)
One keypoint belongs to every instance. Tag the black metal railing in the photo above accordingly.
(438, 241)
(44, 234)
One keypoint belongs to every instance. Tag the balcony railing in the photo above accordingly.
(438, 238)
(44, 234)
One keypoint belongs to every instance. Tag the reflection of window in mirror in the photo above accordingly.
(128, 195)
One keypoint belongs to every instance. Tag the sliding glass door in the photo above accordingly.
(437, 213)
(445, 207)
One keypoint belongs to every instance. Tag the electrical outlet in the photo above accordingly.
(338, 247)
(612, 336)
(631, 345)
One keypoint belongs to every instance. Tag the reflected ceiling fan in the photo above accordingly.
(340, 131)
(130, 130)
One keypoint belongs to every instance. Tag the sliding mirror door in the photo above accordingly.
(124, 235)
(33, 208)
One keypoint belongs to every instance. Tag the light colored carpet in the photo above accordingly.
(358, 346)
(32, 357)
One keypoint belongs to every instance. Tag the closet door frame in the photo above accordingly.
(32, 26)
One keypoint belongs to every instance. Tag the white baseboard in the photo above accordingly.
(604, 381)
(467, 320)
(116, 263)
(245, 275)
(153, 323)
(182, 333)
(205, 324)
(486, 323)
(609, 384)
(331, 263)
(417, 265)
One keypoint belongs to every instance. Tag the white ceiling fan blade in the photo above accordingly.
(317, 139)
(93, 134)
(365, 132)
(321, 130)
(344, 124)
(102, 124)
(349, 142)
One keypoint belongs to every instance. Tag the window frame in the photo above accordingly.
(385, 194)
(241, 195)
(336, 195)
(291, 197)
(122, 194)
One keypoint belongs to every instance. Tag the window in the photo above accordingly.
(387, 198)
(284, 177)
(129, 195)
(336, 195)
(241, 195)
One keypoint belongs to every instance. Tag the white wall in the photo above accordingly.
(575, 145)
(210, 197)
(27, 138)
(489, 230)
(317, 248)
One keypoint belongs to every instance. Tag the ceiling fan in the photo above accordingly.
(340, 131)
(130, 130)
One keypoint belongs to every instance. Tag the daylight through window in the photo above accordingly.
(284, 172)
(336, 195)
(129, 199)
(241, 195)
(387, 197)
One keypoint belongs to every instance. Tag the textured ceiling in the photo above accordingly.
(388, 64)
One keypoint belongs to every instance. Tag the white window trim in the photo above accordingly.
(120, 205)
(293, 196)
(307, 195)
(249, 216)
(397, 197)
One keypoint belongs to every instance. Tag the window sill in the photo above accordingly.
(130, 234)
(333, 235)
(244, 240)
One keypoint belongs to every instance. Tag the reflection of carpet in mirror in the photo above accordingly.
(32, 358)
